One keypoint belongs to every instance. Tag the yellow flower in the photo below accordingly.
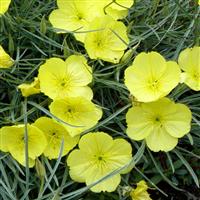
(119, 9)
(160, 123)
(5, 60)
(76, 111)
(99, 155)
(150, 77)
(55, 134)
(60, 79)
(28, 89)
(75, 15)
(13, 140)
(106, 41)
(189, 61)
(140, 192)
(4, 4)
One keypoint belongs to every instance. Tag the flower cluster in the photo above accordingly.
(95, 24)
(150, 78)
(66, 83)
(154, 117)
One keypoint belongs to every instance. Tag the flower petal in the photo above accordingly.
(138, 123)
(160, 140)
(178, 123)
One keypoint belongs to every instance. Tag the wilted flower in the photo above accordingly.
(140, 192)
(28, 89)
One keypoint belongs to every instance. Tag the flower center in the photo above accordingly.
(79, 16)
(158, 121)
(154, 84)
(69, 110)
(63, 84)
(98, 43)
(196, 76)
(100, 158)
(22, 138)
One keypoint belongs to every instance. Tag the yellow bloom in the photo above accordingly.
(60, 79)
(119, 9)
(150, 77)
(5, 60)
(140, 192)
(28, 89)
(99, 155)
(76, 111)
(75, 15)
(189, 61)
(4, 4)
(55, 134)
(12, 138)
(160, 123)
(106, 42)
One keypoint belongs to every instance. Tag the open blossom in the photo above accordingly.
(76, 111)
(75, 15)
(60, 79)
(108, 40)
(13, 141)
(189, 61)
(55, 134)
(98, 155)
(159, 123)
(151, 77)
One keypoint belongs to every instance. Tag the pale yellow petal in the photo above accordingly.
(160, 140)
(78, 162)
(108, 185)
(178, 123)
(94, 142)
(139, 125)
(78, 68)
(55, 134)
(189, 59)
(5, 60)
(4, 4)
